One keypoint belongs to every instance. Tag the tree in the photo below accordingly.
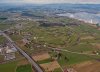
(66, 58)
(98, 25)
(59, 55)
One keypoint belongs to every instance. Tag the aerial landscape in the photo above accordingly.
(50, 36)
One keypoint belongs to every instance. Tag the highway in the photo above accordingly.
(35, 65)
(32, 62)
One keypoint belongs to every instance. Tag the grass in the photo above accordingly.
(16, 37)
(73, 58)
(51, 35)
(2, 39)
(82, 48)
(24, 68)
(1, 58)
(5, 26)
(57, 70)
(44, 61)
(12, 67)
(58, 36)
(86, 30)
(8, 67)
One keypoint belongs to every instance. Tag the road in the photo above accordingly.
(59, 49)
(33, 63)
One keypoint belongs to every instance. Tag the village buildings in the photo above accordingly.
(8, 51)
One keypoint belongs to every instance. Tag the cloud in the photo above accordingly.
(50, 1)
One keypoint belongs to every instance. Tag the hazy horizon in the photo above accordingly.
(52, 1)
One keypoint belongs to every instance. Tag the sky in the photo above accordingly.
(50, 1)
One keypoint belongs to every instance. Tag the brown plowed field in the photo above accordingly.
(89, 66)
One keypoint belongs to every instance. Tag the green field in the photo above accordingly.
(2, 39)
(65, 37)
(13, 67)
(73, 58)
(5, 26)
(8, 67)
(57, 70)
(1, 58)
(44, 61)
(24, 68)
(85, 47)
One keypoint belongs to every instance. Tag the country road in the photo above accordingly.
(59, 49)
(32, 62)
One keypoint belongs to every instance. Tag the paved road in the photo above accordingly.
(33, 62)
(35, 65)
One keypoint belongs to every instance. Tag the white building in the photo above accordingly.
(8, 52)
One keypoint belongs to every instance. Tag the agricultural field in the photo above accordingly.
(24, 68)
(16, 66)
(46, 62)
(69, 59)
(10, 67)
(5, 26)
(55, 37)
(87, 66)
(51, 66)
(1, 58)
(2, 39)
(81, 42)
